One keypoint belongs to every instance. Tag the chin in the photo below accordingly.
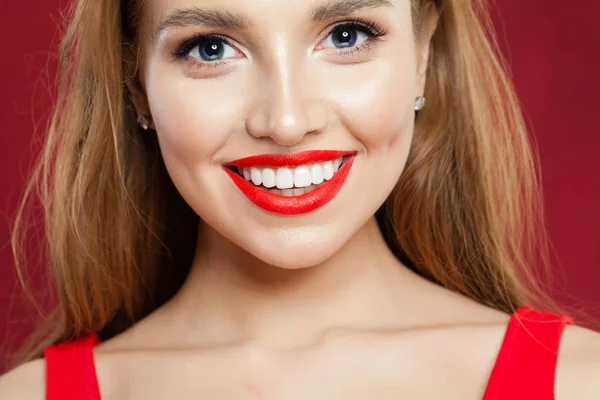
(297, 248)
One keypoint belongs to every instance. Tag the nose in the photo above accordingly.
(286, 108)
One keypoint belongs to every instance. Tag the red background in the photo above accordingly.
(554, 51)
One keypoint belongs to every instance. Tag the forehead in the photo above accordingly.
(164, 15)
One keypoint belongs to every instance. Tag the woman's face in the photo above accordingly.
(280, 79)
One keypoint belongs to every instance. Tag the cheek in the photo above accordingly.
(193, 118)
(377, 109)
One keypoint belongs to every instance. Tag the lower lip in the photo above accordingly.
(294, 205)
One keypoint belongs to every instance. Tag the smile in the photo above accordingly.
(291, 184)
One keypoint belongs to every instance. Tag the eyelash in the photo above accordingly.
(373, 30)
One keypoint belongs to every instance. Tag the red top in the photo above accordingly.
(70, 370)
(524, 369)
(526, 365)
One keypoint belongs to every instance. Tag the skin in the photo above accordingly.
(310, 306)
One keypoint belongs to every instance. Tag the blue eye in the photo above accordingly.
(212, 49)
(347, 35)
(205, 49)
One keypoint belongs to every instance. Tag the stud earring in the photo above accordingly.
(419, 103)
(144, 122)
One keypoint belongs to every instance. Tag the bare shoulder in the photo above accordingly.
(26, 382)
(578, 369)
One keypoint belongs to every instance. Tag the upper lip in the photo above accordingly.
(289, 160)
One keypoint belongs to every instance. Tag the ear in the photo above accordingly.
(138, 96)
(427, 25)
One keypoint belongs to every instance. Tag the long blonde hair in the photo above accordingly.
(466, 212)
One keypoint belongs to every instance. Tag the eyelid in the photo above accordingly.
(185, 46)
(371, 28)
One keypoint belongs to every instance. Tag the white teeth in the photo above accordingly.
(328, 170)
(317, 174)
(303, 176)
(285, 178)
(294, 191)
(256, 176)
(269, 178)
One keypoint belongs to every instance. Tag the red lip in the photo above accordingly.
(295, 205)
(289, 160)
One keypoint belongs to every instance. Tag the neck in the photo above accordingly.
(232, 296)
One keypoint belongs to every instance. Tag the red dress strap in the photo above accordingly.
(526, 365)
(70, 370)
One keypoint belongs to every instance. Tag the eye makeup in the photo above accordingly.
(211, 48)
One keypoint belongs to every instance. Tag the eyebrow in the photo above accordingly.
(342, 8)
(218, 18)
(205, 17)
